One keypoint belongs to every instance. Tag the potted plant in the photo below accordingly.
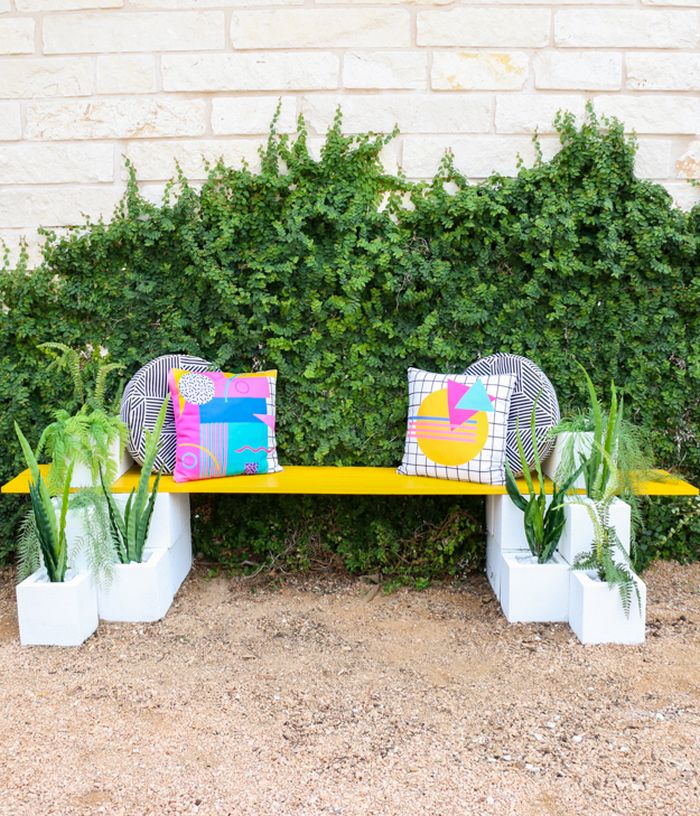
(612, 444)
(598, 613)
(56, 605)
(535, 585)
(92, 436)
(141, 586)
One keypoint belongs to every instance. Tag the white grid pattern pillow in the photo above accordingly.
(457, 426)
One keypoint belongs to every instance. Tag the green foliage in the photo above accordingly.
(298, 268)
(46, 530)
(543, 522)
(85, 437)
(129, 529)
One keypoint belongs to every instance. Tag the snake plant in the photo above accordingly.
(129, 529)
(50, 531)
(544, 523)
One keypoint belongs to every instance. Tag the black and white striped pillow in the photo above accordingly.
(530, 381)
(141, 402)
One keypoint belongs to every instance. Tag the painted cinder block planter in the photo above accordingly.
(581, 444)
(56, 614)
(596, 614)
(578, 536)
(532, 592)
(138, 593)
(82, 475)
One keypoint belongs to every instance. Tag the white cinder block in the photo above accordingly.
(126, 73)
(578, 445)
(532, 592)
(653, 113)
(82, 475)
(525, 113)
(158, 31)
(49, 207)
(578, 70)
(17, 35)
(505, 532)
(487, 27)
(385, 70)
(56, 614)
(596, 614)
(321, 28)
(414, 113)
(479, 70)
(578, 536)
(35, 77)
(125, 118)
(55, 163)
(10, 123)
(625, 28)
(250, 115)
(662, 71)
(250, 72)
(138, 592)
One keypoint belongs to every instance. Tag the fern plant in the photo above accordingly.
(129, 529)
(87, 435)
(607, 546)
(50, 531)
(544, 523)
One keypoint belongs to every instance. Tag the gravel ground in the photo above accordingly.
(326, 697)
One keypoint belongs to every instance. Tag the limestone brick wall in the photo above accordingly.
(85, 82)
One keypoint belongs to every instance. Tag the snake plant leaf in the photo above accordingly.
(513, 490)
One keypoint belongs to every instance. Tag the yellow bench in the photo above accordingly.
(351, 481)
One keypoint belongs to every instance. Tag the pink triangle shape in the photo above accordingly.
(268, 419)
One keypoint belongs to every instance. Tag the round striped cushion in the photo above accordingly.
(141, 402)
(530, 382)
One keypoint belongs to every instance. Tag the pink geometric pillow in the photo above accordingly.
(224, 423)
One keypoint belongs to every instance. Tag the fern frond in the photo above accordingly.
(28, 547)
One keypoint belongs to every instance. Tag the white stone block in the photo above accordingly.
(663, 71)
(385, 70)
(532, 592)
(487, 27)
(505, 532)
(625, 28)
(155, 159)
(596, 614)
(250, 72)
(579, 70)
(56, 614)
(97, 32)
(248, 115)
(688, 165)
(479, 70)
(128, 118)
(321, 28)
(683, 195)
(55, 207)
(578, 536)
(66, 5)
(10, 123)
(126, 73)
(56, 163)
(653, 113)
(16, 35)
(138, 593)
(525, 113)
(62, 76)
(414, 113)
(653, 159)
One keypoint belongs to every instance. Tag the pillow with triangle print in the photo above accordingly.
(224, 423)
(457, 426)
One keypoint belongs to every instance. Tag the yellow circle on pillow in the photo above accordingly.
(443, 443)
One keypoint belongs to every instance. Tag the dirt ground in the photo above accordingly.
(325, 697)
